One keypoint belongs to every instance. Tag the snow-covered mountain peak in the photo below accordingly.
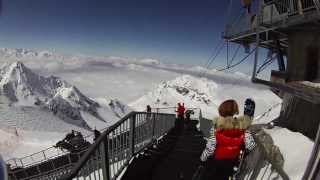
(190, 82)
(188, 86)
(118, 107)
(19, 83)
(75, 97)
(19, 86)
(194, 92)
(69, 93)
(16, 69)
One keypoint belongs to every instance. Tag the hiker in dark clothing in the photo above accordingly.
(96, 134)
(188, 114)
(148, 109)
(187, 121)
(70, 136)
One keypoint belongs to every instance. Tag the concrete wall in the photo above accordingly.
(303, 65)
(300, 115)
(304, 55)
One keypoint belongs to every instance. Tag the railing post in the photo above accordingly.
(132, 133)
(105, 159)
(21, 163)
(153, 125)
(291, 8)
(256, 56)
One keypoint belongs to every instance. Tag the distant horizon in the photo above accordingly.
(57, 52)
(162, 29)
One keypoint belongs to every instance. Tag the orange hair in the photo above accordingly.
(228, 108)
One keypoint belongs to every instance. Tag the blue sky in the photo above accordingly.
(169, 30)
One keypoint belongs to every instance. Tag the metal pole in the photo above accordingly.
(291, 9)
(153, 125)
(44, 155)
(281, 64)
(105, 159)
(132, 133)
(256, 56)
(21, 162)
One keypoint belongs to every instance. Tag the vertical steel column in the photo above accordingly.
(105, 159)
(256, 56)
(317, 4)
(281, 64)
(291, 8)
(153, 126)
(132, 133)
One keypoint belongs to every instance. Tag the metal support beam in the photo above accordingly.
(153, 126)
(310, 95)
(317, 3)
(105, 159)
(256, 56)
(314, 160)
(132, 134)
(280, 59)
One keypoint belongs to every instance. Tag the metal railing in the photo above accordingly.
(113, 150)
(272, 13)
(47, 165)
(281, 10)
(263, 162)
(42, 156)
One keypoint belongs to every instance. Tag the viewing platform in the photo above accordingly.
(274, 20)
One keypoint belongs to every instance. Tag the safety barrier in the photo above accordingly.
(112, 151)
(264, 162)
(41, 156)
(118, 144)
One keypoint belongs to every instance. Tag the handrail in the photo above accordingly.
(43, 153)
(46, 156)
(93, 147)
(99, 150)
(265, 159)
(87, 155)
(278, 168)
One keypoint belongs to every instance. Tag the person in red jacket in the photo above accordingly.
(223, 149)
(180, 111)
(179, 123)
